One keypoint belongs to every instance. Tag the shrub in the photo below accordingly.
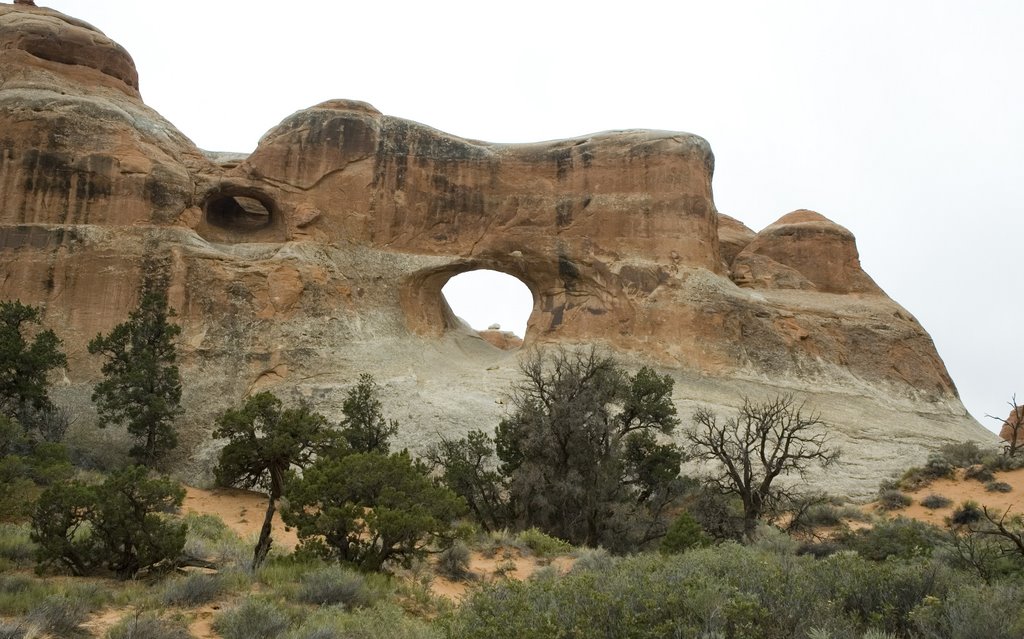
(819, 549)
(453, 562)
(934, 502)
(719, 516)
(893, 500)
(59, 615)
(913, 478)
(962, 454)
(979, 473)
(543, 544)
(192, 590)
(998, 487)
(902, 538)
(722, 591)
(370, 510)
(116, 525)
(209, 538)
(334, 585)
(972, 610)
(968, 512)
(252, 619)
(1004, 462)
(683, 534)
(21, 593)
(771, 539)
(15, 544)
(149, 626)
(821, 515)
(938, 466)
(12, 630)
(378, 622)
(592, 559)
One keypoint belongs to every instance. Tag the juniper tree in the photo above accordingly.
(26, 359)
(265, 443)
(141, 387)
(582, 450)
(364, 426)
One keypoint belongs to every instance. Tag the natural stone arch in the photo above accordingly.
(495, 305)
(238, 213)
(427, 312)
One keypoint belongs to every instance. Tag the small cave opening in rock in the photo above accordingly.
(495, 304)
(237, 212)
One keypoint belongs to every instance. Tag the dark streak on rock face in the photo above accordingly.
(451, 199)
(35, 237)
(568, 271)
(53, 172)
(563, 213)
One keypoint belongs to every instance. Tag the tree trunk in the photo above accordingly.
(263, 545)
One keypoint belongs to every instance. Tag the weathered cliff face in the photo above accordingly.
(323, 253)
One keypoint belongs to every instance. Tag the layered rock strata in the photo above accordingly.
(323, 253)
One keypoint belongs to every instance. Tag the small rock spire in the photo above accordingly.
(30, 3)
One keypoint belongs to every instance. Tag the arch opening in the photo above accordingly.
(495, 304)
(238, 213)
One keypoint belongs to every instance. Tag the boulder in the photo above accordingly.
(1010, 424)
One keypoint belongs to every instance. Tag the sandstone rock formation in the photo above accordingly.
(1010, 424)
(323, 253)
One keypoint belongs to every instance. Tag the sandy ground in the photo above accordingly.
(960, 490)
(241, 510)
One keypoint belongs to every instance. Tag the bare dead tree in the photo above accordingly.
(1013, 424)
(1009, 530)
(767, 440)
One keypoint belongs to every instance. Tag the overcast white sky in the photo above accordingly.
(903, 121)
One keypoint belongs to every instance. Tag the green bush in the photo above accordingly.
(192, 590)
(722, 591)
(901, 538)
(913, 478)
(683, 534)
(998, 487)
(453, 562)
(543, 544)
(149, 626)
(968, 512)
(962, 454)
(20, 593)
(210, 539)
(934, 502)
(771, 539)
(893, 499)
(377, 622)
(334, 585)
(252, 619)
(116, 526)
(972, 610)
(1004, 462)
(15, 544)
(370, 510)
(720, 516)
(596, 559)
(822, 515)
